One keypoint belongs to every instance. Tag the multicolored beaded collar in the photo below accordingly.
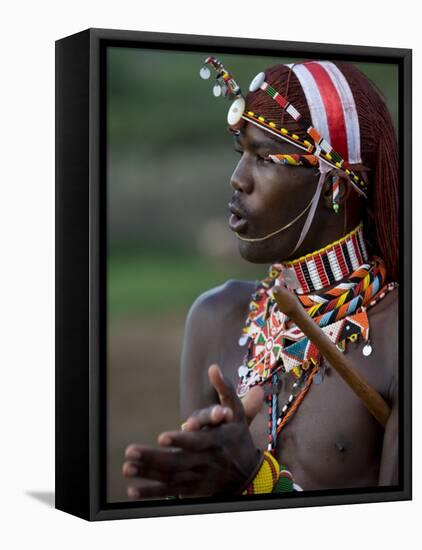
(326, 266)
(276, 347)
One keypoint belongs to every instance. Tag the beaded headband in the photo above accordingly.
(331, 105)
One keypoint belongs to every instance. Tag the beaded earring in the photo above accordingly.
(335, 192)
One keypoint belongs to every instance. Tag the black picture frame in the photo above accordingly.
(80, 271)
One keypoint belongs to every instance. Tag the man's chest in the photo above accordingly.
(330, 438)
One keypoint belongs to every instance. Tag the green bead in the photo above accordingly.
(283, 485)
(336, 207)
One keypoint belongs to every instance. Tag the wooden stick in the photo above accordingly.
(289, 304)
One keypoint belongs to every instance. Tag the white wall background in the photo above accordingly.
(27, 36)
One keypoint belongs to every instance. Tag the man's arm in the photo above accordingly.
(389, 467)
(200, 350)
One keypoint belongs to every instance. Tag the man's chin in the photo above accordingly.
(258, 252)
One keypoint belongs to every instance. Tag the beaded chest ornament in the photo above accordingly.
(277, 347)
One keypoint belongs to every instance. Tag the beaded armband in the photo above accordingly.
(270, 478)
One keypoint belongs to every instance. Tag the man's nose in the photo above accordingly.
(241, 179)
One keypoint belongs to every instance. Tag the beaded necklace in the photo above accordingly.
(277, 347)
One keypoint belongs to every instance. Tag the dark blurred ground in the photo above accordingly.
(169, 166)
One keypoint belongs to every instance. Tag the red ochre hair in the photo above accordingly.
(379, 150)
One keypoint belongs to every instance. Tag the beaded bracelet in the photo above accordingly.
(270, 477)
(266, 476)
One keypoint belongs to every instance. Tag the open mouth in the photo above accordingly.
(237, 222)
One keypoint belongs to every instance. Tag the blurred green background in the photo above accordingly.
(169, 162)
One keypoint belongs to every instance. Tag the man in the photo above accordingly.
(315, 195)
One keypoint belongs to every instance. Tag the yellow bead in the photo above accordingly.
(284, 131)
(261, 118)
(328, 156)
(272, 124)
(307, 143)
(338, 165)
(294, 136)
(347, 171)
(251, 113)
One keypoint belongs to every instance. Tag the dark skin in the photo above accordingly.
(332, 441)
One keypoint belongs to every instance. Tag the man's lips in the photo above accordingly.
(237, 221)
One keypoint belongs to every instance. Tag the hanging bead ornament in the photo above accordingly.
(217, 90)
(336, 191)
(367, 349)
(204, 73)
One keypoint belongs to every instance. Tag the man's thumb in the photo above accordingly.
(226, 392)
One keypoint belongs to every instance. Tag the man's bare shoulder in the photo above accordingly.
(221, 301)
(214, 319)
(385, 315)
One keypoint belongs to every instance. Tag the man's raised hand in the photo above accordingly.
(230, 407)
(214, 454)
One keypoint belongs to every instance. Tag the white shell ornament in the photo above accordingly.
(236, 111)
(257, 82)
(367, 350)
(243, 371)
(243, 339)
(217, 90)
(205, 73)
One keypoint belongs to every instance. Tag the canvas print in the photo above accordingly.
(252, 275)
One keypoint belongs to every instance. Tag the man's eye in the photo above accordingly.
(264, 159)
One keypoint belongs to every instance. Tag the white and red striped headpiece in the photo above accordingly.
(332, 107)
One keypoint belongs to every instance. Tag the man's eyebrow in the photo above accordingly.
(259, 145)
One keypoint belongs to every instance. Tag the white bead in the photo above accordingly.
(367, 350)
(243, 339)
(236, 111)
(204, 73)
(216, 90)
(243, 371)
(257, 82)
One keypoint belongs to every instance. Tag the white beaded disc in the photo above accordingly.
(367, 350)
(236, 111)
(257, 82)
(217, 90)
(205, 73)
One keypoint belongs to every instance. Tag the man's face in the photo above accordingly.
(268, 196)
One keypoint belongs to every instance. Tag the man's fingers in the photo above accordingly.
(161, 458)
(169, 477)
(226, 392)
(158, 489)
(193, 441)
(210, 416)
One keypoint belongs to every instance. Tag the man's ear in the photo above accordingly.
(343, 188)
